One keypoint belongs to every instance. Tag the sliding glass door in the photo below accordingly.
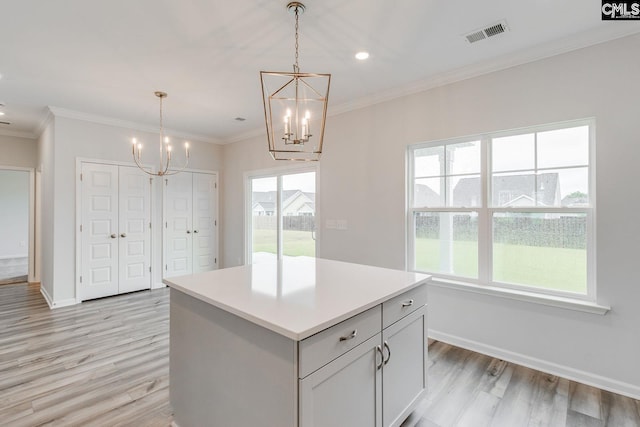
(282, 210)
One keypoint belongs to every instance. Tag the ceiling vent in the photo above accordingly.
(489, 31)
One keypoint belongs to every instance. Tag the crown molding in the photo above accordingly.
(109, 121)
(27, 135)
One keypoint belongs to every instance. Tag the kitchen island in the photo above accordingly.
(297, 342)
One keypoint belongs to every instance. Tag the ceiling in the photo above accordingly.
(103, 60)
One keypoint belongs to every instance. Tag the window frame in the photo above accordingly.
(486, 211)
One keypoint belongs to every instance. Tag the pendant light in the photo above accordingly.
(295, 107)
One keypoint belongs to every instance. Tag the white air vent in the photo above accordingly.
(489, 31)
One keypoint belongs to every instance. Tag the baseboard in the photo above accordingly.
(583, 377)
(56, 304)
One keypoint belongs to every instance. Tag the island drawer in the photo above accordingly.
(325, 346)
(398, 307)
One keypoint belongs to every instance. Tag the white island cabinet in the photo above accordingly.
(300, 342)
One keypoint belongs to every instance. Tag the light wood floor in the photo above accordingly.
(106, 363)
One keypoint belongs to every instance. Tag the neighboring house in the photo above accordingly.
(294, 203)
(512, 191)
(424, 196)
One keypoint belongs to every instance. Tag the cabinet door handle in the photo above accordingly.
(195, 231)
(386, 345)
(352, 335)
(188, 231)
(407, 303)
(123, 235)
(114, 235)
(378, 367)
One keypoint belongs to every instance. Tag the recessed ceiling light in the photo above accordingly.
(1, 113)
(362, 55)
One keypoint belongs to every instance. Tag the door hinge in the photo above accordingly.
(215, 185)
(165, 267)
(149, 269)
(149, 225)
(150, 181)
(81, 228)
(166, 182)
(215, 223)
(215, 260)
(166, 224)
(80, 177)
(80, 279)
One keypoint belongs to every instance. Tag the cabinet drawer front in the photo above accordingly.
(323, 347)
(403, 304)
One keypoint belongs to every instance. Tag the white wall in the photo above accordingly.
(14, 213)
(18, 152)
(81, 139)
(47, 197)
(362, 180)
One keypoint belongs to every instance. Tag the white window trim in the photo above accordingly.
(581, 302)
(276, 172)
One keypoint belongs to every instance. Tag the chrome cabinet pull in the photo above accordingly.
(352, 335)
(123, 235)
(114, 235)
(386, 345)
(378, 367)
(407, 303)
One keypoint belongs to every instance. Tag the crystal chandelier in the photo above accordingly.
(295, 107)
(165, 167)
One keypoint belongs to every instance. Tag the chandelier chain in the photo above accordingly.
(296, 68)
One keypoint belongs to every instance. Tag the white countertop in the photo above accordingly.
(297, 297)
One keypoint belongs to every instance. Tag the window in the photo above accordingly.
(281, 213)
(510, 209)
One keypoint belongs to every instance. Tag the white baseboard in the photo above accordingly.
(56, 304)
(615, 386)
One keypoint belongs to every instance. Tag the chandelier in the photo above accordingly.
(295, 107)
(165, 150)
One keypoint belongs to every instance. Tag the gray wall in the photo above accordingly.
(362, 180)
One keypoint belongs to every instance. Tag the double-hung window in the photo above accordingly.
(508, 209)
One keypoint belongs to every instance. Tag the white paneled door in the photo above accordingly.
(204, 222)
(178, 224)
(135, 230)
(190, 223)
(115, 236)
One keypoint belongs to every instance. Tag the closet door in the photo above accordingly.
(99, 240)
(134, 230)
(178, 224)
(204, 222)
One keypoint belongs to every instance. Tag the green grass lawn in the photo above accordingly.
(295, 243)
(544, 267)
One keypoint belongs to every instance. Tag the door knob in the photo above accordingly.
(114, 235)
(123, 235)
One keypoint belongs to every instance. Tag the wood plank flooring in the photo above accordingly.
(106, 363)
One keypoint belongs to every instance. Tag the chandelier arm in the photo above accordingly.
(142, 168)
(175, 171)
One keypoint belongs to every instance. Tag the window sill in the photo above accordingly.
(549, 300)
